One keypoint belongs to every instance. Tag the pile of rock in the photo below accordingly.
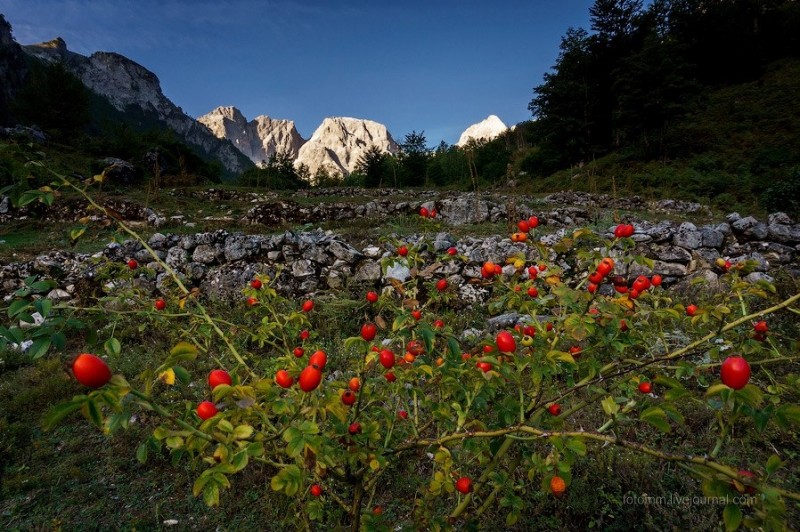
(221, 263)
(72, 210)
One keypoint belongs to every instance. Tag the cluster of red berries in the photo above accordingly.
(490, 269)
(605, 267)
(526, 225)
(425, 213)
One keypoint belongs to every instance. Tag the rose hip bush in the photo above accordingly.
(491, 420)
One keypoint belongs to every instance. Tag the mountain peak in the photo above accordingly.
(487, 129)
(340, 141)
(258, 139)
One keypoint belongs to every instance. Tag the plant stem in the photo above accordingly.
(163, 413)
(167, 268)
(662, 455)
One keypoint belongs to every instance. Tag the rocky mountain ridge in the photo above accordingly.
(339, 142)
(132, 89)
(259, 139)
(333, 149)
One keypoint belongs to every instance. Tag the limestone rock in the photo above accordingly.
(259, 139)
(125, 83)
(339, 142)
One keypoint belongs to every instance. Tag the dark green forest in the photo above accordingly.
(692, 99)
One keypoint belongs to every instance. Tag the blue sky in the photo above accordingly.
(436, 66)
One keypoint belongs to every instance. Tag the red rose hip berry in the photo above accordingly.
(735, 372)
(91, 370)
(464, 485)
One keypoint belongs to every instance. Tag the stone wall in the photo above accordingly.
(221, 263)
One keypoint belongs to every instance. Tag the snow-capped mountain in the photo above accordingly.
(487, 129)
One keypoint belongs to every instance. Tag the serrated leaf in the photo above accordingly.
(112, 347)
(716, 389)
(76, 233)
(610, 407)
(656, 417)
(90, 410)
(732, 516)
(773, 464)
(61, 411)
(141, 453)
(183, 351)
(211, 494)
(39, 347)
(242, 432)
(577, 446)
(16, 307)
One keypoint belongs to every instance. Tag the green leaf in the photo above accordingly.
(39, 347)
(225, 426)
(174, 442)
(289, 479)
(787, 415)
(732, 515)
(427, 338)
(773, 464)
(577, 446)
(141, 453)
(610, 407)
(577, 328)
(59, 340)
(240, 461)
(201, 482)
(454, 347)
(76, 233)
(673, 413)
(242, 432)
(656, 417)
(181, 374)
(16, 307)
(561, 356)
(716, 389)
(512, 517)
(61, 411)
(211, 494)
(667, 382)
(751, 395)
(112, 347)
(309, 428)
(183, 351)
(44, 306)
(41, 286)
(91, 411)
